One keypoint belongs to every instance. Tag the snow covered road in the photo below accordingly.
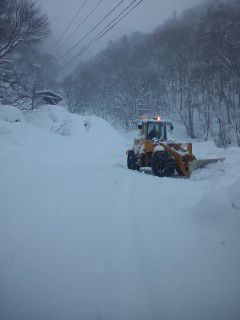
(81, 237)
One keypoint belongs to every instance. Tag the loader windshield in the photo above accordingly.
(156, 130)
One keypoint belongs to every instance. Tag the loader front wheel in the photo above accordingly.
(132, 161)
(163, 164)
(179, 171)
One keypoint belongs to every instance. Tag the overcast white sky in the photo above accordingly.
(150, 14)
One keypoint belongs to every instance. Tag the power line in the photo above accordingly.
(84, 20)
(69, 25)
(93, 29)
(109, 27)
(106, 30)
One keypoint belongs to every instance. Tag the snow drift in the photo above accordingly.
(10, 113)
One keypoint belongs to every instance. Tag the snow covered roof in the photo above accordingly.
(49, 94)
(152, 120)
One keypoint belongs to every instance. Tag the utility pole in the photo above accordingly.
(36, 66)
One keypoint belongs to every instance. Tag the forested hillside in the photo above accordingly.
(187, 69)
(24, 66)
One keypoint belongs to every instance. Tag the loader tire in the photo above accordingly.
(132, 161)
(179, 171)
(163, 164)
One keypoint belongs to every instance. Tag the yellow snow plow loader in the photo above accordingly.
(153, 150)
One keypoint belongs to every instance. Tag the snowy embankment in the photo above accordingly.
(81, 237)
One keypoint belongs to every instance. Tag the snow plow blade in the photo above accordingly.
(198, 164)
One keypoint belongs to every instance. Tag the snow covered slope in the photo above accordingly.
(10, 113)
(81, 237)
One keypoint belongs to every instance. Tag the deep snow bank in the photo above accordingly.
(92, 136)
(219, 211)
(10, 113)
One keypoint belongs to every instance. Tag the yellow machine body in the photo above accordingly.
(152, 149)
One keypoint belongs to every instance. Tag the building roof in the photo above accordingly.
(49, 94)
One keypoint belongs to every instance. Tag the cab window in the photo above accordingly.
(156, 130)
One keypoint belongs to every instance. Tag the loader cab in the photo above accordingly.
(153, 130)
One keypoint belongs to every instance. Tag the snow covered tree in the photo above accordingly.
(20, 21)
(22, 29)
